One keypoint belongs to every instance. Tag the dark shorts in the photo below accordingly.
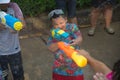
(68, 6)
(61, 77)
(15, 63)
(101, 3)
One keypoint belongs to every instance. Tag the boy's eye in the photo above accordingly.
(61, 23)
(55, 24)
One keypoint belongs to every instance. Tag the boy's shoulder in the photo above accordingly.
(13, 4)
(71, 26)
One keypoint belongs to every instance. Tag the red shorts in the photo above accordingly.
(61, 77)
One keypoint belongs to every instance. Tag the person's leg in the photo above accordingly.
(108, 17)
(61, 4)
(93, 19)
(72, 11)
(4, 65)
(15, 62)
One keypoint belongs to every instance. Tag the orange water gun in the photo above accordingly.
(80, 60)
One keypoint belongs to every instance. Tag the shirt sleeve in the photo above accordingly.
(51, 40)
(16, 8)
(75, 30)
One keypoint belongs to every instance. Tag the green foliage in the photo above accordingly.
(118, 1)
(83, 3)
(35, 7)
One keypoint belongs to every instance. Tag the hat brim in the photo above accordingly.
(4, 1)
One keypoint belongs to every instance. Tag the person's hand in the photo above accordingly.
(53, 47)
(13, 31)
(76, 41)
(83, 52)
(99, 76)
(73, 42)
(2, 27)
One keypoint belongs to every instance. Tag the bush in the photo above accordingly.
(83, 3)
(35, 7)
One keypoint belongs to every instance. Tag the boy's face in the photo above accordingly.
(59, 22)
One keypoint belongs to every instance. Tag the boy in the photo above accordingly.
(10, 51)
(64, 68)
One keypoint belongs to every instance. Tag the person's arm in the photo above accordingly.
(78, 40)
(52, 44)
(97, 65)
(53, 47)
(2, 26)
(18, 13)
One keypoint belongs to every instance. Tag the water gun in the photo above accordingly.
(80, 60)
(10, 21)
(59, 34)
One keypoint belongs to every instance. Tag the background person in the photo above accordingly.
(10, 51)
(105, 7)
(69, 7)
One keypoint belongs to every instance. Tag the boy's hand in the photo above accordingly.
(2, 26)
(13, 31)
(76, 41)
(73, 42)
(53, 47)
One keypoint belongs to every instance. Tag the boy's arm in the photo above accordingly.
(2, 26)
(78, 40)
(52, 44)
(18, 13)
(97, 65)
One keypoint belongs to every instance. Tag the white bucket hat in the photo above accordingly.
(4, 1)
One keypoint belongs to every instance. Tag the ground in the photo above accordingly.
(37, 59)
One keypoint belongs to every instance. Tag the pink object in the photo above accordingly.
(109, 76)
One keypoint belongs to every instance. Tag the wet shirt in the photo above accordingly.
(64, 65)
(9, 42)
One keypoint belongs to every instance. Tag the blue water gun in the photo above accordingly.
(60, 35)
(10, 21)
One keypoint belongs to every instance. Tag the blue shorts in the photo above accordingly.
(98, 3)
(68, 6)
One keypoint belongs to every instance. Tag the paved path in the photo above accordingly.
(37, 60)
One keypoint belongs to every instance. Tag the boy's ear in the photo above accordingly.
(66, 19)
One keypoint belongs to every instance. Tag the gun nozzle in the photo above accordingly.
(18, 26)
